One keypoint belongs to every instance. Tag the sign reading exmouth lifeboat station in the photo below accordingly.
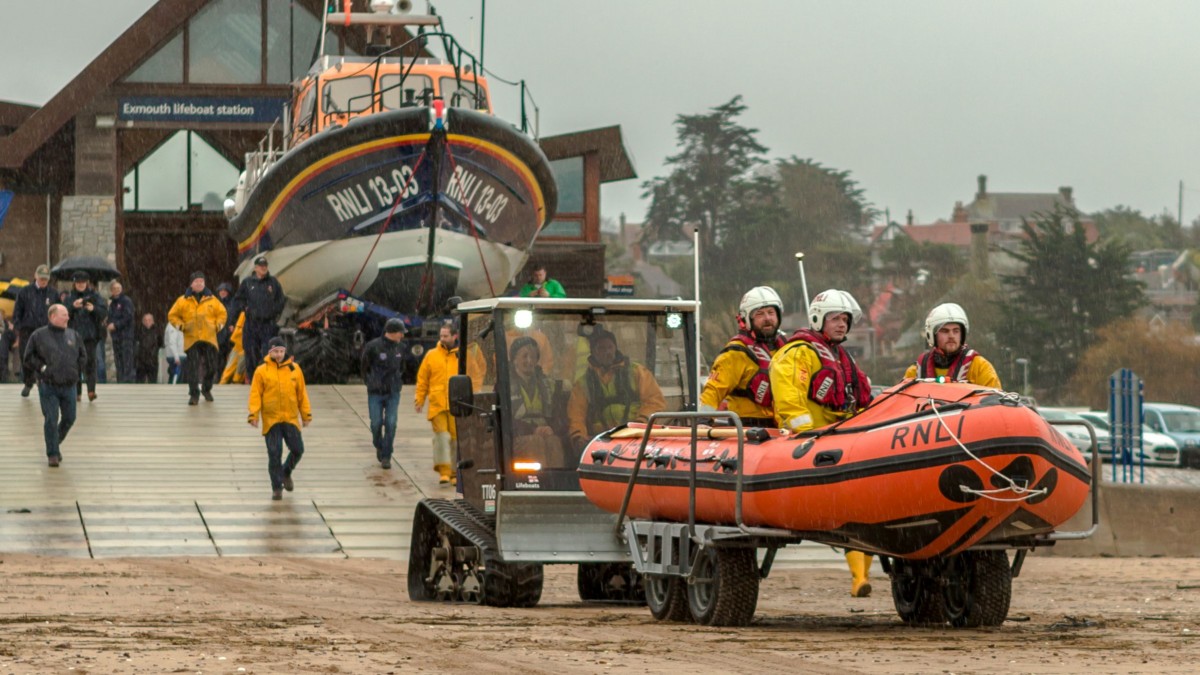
(199, 109)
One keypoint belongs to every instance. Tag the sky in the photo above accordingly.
(914, 99)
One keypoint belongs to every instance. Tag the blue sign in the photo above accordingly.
(6, 197)
(1126, 395)
(199, 109)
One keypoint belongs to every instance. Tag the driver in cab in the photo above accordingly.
(611, 392)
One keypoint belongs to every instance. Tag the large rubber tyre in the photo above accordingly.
(510, 584)
(609, 582)
(916, 593)
(666, 597)
(326, 355)
(977, 589)
(724, 587)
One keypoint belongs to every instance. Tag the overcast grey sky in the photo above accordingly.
(913, 98)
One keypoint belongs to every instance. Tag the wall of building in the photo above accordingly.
(89, 227)
(23, 236)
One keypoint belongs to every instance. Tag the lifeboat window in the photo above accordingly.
(415, 90)
(307, 107)
(464, 94)
(347, 95)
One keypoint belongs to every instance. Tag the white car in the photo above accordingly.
(1076, 433)
(1157, 448)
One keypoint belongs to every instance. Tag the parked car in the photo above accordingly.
(1075, 433)
(1181, 423)
(1157, 448)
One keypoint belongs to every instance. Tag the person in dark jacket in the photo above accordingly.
(88, 311)
(382, 368)
(29, 314)
(149, 341)
(57, 355)
(261, 297)
(224, 343)
(121, 319)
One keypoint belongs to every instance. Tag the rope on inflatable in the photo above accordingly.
(1022, 491)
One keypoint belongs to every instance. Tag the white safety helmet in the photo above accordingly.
(829, 302)
(940, 316)
(757, 298)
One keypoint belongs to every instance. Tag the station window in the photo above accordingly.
(226, 45)
(184, 172)
(568, 174)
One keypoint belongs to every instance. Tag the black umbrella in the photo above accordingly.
(97, 268)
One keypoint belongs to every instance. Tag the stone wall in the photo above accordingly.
(89, 225)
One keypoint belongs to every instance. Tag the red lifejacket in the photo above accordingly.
(839, 385)
(759, 387)
(955, 372)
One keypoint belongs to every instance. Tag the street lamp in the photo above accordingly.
(1024, 363)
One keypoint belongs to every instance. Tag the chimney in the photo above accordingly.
(1065, 192)
(909, 218)
(979, 250)
(960, 213)
(982, 187)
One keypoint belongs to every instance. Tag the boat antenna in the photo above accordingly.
(696, 282)
(803, 281)
(482, 21)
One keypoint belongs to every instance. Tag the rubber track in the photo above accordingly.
(504, 584)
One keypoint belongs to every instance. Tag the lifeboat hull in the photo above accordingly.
(369, 190)
(898, 479)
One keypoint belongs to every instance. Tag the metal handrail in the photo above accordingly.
(1096, 469)
(641, 455)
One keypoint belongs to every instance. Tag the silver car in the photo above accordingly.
(1076, 433)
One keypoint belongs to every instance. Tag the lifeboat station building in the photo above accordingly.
(133, 160)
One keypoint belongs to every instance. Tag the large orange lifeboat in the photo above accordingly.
(928, 470)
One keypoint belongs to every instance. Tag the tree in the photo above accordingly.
(707, 177)
(1165, 357)
(1069, 289)
(1141, 232)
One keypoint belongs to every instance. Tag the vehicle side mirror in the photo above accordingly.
(462, 397)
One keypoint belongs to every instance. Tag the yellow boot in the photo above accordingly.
(444, 473)
(860, 566)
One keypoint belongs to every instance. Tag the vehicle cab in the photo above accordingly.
(524, 383)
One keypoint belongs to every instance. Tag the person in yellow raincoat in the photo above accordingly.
(816, 383)
(199, 315)
(949, 356)
(235, 370)
(612, 391)
(433, 382)
(279, 399)
(740, 375)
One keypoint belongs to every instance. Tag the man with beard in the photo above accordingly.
(612, 391)
(817, 383)
(949, 357)
(741, 373)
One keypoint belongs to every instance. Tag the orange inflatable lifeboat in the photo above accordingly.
(929, 469)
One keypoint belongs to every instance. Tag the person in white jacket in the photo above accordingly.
(176, 356)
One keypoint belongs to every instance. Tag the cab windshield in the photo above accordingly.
(567, 376)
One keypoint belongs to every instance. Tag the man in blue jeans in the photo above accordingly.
(382, 368)
(56, 354)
